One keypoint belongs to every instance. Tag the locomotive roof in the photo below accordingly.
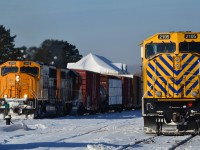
(190, 32)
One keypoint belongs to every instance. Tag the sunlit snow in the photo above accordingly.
(111, 131)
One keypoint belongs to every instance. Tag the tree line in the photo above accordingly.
(51, 51)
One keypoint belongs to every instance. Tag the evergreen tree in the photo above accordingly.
(6, 45)
(20, 53)
(57, 53)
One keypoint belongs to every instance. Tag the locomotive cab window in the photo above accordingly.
(189, 47)
(30, 70)
(152, 49)
(6, 70)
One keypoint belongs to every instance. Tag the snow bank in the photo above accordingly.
(14, 127)
(40, 126)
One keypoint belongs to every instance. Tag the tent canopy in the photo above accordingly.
(99, 64)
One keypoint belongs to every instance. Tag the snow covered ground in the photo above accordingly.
(95, 132)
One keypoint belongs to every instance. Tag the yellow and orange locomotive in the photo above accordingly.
(30, 89)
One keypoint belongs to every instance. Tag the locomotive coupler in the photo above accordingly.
(176, 117)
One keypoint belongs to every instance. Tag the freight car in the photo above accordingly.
(88, 101)
(171, 71)
(127, 91)
(131, 91)
(111, 86)
(32, 90)
(136, 84)
(102, 93)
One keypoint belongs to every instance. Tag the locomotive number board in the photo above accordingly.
(191, 36)
(167, 36)
(164, 36)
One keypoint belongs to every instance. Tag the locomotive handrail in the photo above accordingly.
(33, 93)
(199, 66)
(144, 96)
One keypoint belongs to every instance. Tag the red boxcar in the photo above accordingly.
(89, 90)
(137, 95)
(113, 89)
(127, 92)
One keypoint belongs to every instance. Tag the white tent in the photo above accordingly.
(96, 63)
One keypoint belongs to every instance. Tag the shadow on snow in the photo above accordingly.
(53, 145)
(111, 115)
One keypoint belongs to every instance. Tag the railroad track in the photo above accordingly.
(164, 142)
(139, 141)
(173, 147)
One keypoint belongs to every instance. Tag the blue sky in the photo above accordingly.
(111, 28)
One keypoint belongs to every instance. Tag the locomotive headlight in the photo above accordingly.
(177, 59)
(194, 93)
(25, 95)
(158, 93)
(177, 65)
(17, 78)
(5, 96)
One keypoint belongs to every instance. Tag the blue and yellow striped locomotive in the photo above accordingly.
(171, 83)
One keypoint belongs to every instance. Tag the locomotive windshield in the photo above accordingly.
(6, 70)
(152, 49)
(189, 47)
(30, 70)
